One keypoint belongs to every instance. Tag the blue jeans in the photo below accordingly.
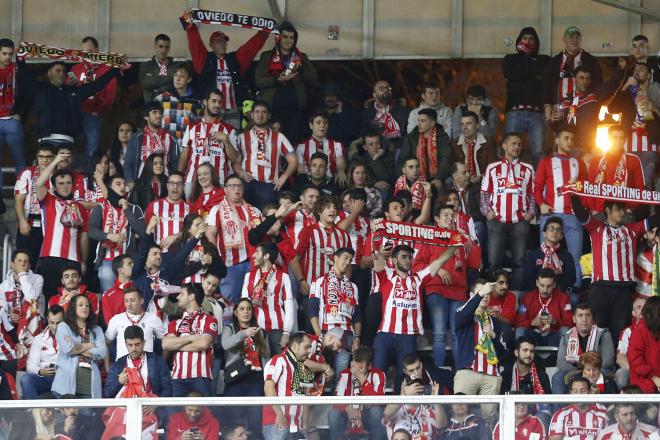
(390, 346)
(573, 235)
(11, 133)
(259, 194)
(251, 415)
(532, 123)
(106, 276)
(442, 312)
(517, 236)
(231, 285)
(371, 421)
(181, 387)
(91, 126)
(33, 385)
(272, 433)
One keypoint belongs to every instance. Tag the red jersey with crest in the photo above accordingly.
(402, 301)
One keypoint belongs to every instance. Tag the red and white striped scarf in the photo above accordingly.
(232, 225)
(573, 349)
(416, 189)
(536, 381)
(336, 292)
(114, 222)
(550, 258)
(385, 119)
(152, 141)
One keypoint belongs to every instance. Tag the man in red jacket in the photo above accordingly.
(96, 106)
(446, 291)
(219, 69)
(193, 423)
(545, 313)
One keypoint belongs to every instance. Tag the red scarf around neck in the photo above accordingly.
(416, 189)
(385, 119)
(276, 63)
(427, 153)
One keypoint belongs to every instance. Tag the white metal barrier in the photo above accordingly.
(6, 255)
(506, 404)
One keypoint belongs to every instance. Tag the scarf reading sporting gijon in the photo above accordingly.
(409, 232)
(32, 50)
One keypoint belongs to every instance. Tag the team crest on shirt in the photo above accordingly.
(214, 327)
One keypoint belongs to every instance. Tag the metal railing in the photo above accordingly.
(6, 255)
(506, 404)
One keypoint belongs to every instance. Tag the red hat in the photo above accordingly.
(218, 35)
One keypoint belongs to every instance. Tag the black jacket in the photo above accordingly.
(534, 261)
(551, 76)
(445, 154)
(524, 76)
(58, 108)
(399, 112)
(526, 386)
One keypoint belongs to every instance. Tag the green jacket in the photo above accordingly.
(268, 85)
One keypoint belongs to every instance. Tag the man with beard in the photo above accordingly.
(153, 138)
(627, 426)
(524, 375)
(401, 304)
(384, 115)
(209, 140)
(114, 224)
(65, 224)
(263, 150)
(71, 286)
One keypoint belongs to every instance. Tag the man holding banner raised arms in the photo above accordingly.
(614, 247)
(222, 70)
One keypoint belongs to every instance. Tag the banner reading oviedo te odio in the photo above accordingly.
(584, 188)
(231, 19)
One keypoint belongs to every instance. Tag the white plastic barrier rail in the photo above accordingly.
(506, 404)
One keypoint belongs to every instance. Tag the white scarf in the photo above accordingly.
(573, 350)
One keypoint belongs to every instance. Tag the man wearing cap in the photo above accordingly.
(219, 69)
(560, 78)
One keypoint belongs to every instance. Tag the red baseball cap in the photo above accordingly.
(218, 35)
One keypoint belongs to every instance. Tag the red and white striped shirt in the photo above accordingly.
(624, 338)
(333, 149)
(572, 423)
(60, 240)
(371, 245)
(193, 364)
(156, 140)
(336, 308)
(374, 385)
(280, 370)
(358, 233)
(269, 305)
(480, 363)
(527, 427)
(552, 174)
(641, 431)
(296, 221)
(566, 85)
(249, 217)
(204, 149)
(510, 186)
(263, 152)
(316, 248)
(113, 221)
(26, 183)
(420, 421)
(614, 249)
(402, 301)
(224, 83)
(639, 141)
(170, 217)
